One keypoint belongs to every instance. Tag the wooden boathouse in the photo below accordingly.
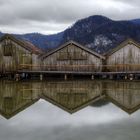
(124, 58)
(123, 62)
(22, 57)
(17, 54)
(72, 58)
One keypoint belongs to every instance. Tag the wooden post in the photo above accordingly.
(65, 77)
(92, 77)
(110, 76)
(118, 76)
(17, 77)
(23, 75)
(131, 76)
(41, 77)
(9, 77)
(104, 76)
(125, 77)
(136, 77)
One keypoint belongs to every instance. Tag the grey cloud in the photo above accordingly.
(31, 14)
(130, 2)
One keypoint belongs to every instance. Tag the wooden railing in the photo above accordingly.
(60, 67)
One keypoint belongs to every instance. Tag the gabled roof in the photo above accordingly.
(123, 44)
(72, 43)
(25, 44)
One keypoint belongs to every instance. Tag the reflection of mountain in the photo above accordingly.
(100, 103)
(68, 95)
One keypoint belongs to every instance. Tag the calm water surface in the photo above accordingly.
(69, 110)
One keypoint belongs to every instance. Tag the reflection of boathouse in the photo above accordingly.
(72, 95)
(125, 95)
(15, 97)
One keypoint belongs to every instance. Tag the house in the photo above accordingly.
(17, 54)
(124, 58)
(72, 57)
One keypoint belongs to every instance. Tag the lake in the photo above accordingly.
(69, 110)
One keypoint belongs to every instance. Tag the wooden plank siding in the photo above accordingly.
(124, 58)
(14, 54)
(72, 57)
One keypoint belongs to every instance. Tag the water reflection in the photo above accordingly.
(15, 97)
(125, 95)
(71, 96)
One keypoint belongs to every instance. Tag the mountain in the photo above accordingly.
(97, 32)
(136, 21)
(100, 33)
(45, 42)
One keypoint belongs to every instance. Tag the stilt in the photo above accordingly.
(9, 77)
(118, 77)
(41, 77)
(65, 77)
(17, 77)
(125, 77)
(136, 77)
(104, 76)
(110, 76)
(23, 75)
(131, 77)
(92, 77)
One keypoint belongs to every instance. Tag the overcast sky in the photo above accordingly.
(51, 123)
(52, 16)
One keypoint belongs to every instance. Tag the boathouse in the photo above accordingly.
(124, 58)
(73, 58)
(16, 54)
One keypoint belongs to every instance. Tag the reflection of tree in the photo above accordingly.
(100, 103)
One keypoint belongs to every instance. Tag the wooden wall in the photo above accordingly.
(13, 56)
(72, 58)
(125, 59)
